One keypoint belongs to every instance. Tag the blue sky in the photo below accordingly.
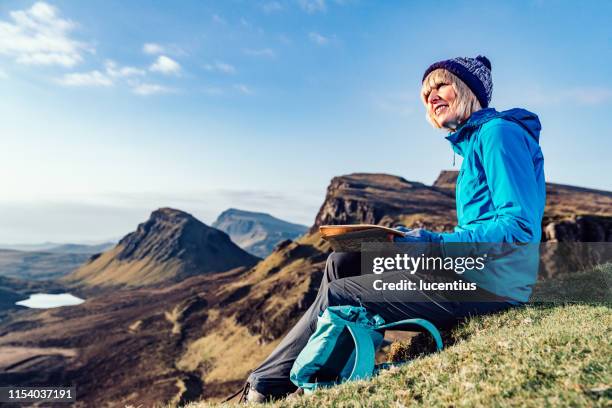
(111, 109)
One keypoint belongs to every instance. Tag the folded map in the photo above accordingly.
(348, 238)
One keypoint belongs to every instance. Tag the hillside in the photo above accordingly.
(530, 357)
(115, 346)
(170, 246)
(256, 233)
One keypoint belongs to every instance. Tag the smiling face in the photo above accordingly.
(449, 102)
(440, 103)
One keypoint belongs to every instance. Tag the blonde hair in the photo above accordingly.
(465, 102)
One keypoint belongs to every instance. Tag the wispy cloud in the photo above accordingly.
(313, 6)
(112, 72)
(318, 38)
(220, 66)
(242, 88)
(115, 71)
(153, 49)
(92, 78)
(166, 65)
(146, 89)
(260, 52)
(272, 7)
(39, 36)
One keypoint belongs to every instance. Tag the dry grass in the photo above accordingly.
(530, 357)
(240, 352)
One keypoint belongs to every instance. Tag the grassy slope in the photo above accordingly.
(535, 356)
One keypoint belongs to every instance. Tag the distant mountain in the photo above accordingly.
(256, 232)
(169, 247)
(32, 265)
(54, 247)
(81, 248)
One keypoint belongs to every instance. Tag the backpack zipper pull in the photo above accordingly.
(453, 158)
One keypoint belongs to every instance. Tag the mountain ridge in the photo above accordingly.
(256, 232)
(169, 247)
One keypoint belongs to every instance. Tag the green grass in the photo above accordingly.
(530, 357)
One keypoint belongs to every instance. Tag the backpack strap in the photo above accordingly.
(365, 354)
(425, 324)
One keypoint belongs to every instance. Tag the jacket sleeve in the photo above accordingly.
(509, 170)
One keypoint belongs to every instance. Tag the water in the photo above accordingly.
(47, 301)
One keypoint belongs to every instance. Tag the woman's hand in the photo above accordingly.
(415, 235)
(400, 228)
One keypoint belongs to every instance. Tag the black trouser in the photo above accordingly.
(342, 284)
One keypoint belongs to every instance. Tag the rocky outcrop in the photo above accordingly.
(256, 233)
(446, 179)
(581, 228)
(386, 200)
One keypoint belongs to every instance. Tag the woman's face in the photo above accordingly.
(440, 102)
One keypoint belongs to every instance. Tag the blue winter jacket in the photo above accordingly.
(500, 195)
(501, 190)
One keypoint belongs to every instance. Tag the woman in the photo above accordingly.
(500, 198)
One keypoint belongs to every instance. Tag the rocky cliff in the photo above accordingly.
(385, 200)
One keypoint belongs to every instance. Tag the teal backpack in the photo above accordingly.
(343, 347)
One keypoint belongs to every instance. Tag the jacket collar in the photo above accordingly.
(459, 137)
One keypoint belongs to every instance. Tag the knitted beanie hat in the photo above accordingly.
(475, 72)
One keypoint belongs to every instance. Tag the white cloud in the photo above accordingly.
(220, 66)
(318, 38)
(153, 49)
(313, 6)
(261, 52)
(92, 78)
(272, 7)
(115, 71)
(243, 89)
(111, 73)
(39, 36)
(147, 89)
(165, 65)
